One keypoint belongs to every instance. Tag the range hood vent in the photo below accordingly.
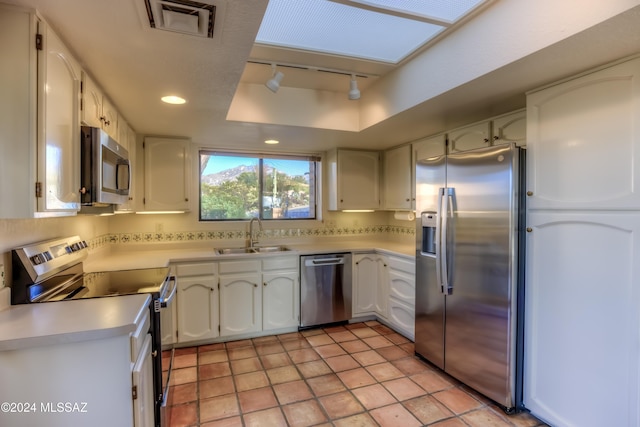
(182, 16)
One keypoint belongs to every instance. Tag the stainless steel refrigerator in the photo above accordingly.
(468, 274)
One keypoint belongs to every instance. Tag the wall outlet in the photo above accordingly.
(159, 227)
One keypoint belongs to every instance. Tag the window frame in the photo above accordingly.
(261, 157)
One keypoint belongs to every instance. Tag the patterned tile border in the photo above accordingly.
(200, 235)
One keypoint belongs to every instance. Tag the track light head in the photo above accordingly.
(354, 92)
(274, 82)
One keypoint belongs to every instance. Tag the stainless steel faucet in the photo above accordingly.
(253, 240)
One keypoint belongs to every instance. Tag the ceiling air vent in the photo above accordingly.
(182, 16)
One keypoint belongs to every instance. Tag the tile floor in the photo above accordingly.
(362, 374)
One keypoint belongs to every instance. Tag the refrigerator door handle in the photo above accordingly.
(448, 261)
(441, 243)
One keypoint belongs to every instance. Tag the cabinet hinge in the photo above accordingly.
(38, 41)
(38, 189)
(218, 328)
(134, 392)
(144, 200)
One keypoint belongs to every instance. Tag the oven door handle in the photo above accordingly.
(167, 299)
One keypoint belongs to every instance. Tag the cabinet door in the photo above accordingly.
(583, 142)
(197, 308)
(510, 128)
(582, 318)
(382, 287)
(240, 304)
(358, 179)
(398, 178)
(365, 280)
(167, 173)
(402, 280)
(280, 300)
(110, 121)
(91, 102)
(59, 149)
(402, 317)
(142, 381)
(469, 137)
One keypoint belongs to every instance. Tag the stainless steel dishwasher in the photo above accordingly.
(325, 289)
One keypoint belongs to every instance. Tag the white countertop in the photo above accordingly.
(42, 324)
(150, 258)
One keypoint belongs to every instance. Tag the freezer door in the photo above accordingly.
(429, 331)
(480, 309)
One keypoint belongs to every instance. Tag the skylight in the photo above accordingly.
(377, 30)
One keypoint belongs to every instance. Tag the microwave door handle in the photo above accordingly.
(123, 163)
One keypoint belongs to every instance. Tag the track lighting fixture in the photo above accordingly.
(274, 82)
(354, 92)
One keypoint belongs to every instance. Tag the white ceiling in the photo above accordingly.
(137, 65)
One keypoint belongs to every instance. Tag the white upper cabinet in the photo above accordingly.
(40, 166)
(398, 179)
(354, 179)
(127, 138)
(587, 159)
(509, 128)
(470, 137)
(167, 174)
(97, 110)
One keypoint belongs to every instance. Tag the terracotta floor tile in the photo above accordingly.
(377, 342)
(433, 381)
(384, 371)
(269, 348)
(241, 353)
(184, 393)
(411, 365)
(275, 360)
(403, 388)
(366, 358)
(325, 385)
(333, 329)
(211, 347)
(251, 380)
(484, 418)
(314, 368)
(270, 417)
(257, 399)
(243, 366)
(394, 416)
(290, 336)
(303, 355)
(341, 405)
(312, 332)
(342, 363)
(374, 396)
(457, 400)
(216, 387)
(283, 374)
(295, 344)
(427, 409)
(184, 415)
(359, 420)
(364, 332)
(318, 340)
(219, 407)
(227, 422)
(396, 338)
(265, 340)
(342, 336)
(185, 350)
(354, 346)
(185, 360)
(358, 325)
(356, 378)
(392, 353)
(184, 375)
(524, 419)
(330, 350)
(213, 357)
(294, 391)
(213, 370)
(451, 422)
(408, 347)
(239, 343)
(382, 329)
(304, 414)
(371, 323)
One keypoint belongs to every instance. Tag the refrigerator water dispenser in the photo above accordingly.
(429, 222)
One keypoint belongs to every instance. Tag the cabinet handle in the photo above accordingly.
(486, 140)
(529, 193)
(529, 229)
(265, 284)
(408, 200)
(186, 199)
(255, 285)
(495, 138)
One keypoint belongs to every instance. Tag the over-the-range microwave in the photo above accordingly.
(105, 169)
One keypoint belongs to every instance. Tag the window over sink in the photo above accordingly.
(237, 186)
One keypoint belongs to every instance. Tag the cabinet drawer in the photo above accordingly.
(137, 338)
(402, 264)
(199, 269)
(280, 263)
(244, 266)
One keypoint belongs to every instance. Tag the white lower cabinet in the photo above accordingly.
(402, 295)
(240, 297)
(365, 281)
(280, 293)
(197, 302)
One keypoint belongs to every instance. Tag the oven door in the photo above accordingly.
(167, 332)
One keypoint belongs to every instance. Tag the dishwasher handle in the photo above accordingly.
(319, 262)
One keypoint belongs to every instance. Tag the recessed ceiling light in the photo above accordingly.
(272, 141)
(172, 99)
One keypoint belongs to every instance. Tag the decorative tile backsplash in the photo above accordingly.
(200, 235)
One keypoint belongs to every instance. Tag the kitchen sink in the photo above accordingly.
(254, 250)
